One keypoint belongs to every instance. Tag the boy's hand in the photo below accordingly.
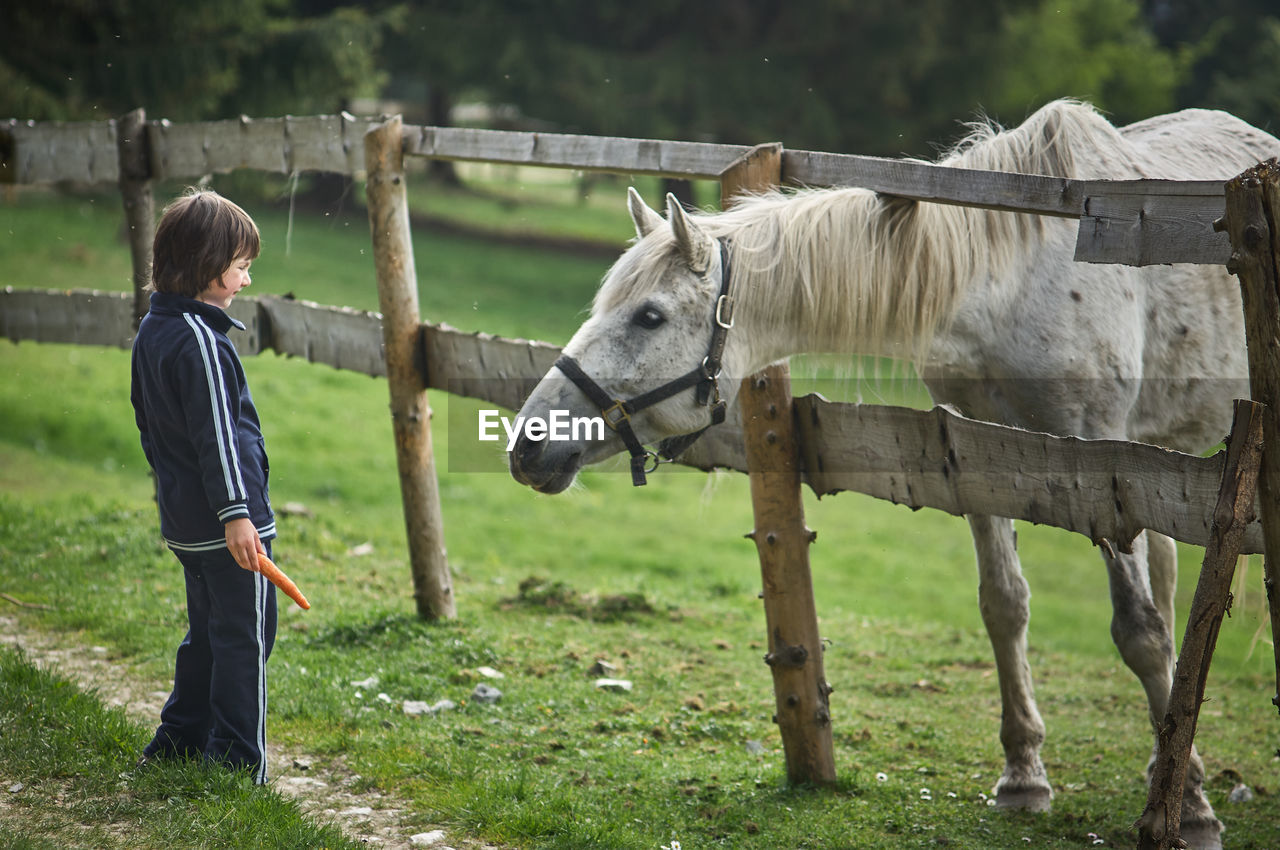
(243, 543)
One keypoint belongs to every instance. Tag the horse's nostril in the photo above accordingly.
(527, 450)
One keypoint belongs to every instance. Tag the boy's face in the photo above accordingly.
(220, 292)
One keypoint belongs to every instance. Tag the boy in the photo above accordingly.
(201, 435)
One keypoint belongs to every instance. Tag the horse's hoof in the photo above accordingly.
(1024, 796)
(1202, 834)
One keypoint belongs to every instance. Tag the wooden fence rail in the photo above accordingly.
(1104, 489)
(1137, 222)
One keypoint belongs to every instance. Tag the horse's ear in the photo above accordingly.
(645, 219)
(695, 245)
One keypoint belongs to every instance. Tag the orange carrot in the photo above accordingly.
(282, 581)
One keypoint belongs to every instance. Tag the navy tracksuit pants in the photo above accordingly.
(218, 708)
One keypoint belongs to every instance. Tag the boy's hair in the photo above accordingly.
(198, 238)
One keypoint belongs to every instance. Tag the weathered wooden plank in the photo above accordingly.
(46, 152)
(326, 143)
(247, 310)
(890, 453)
(1147, 222)
(82, 317)
(924, 181)
(1136, 222)
(337, 336)
(52, 152)
(588, 153)
(484, 366)
(721, 447)
(276, 145)
(183, 151)
(1103, 489)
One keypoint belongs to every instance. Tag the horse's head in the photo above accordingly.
(656, 319)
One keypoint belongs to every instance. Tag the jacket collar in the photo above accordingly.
(167, 302)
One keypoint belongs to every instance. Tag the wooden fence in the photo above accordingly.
(1104, 489)
(1136, 222)
(1107, 490)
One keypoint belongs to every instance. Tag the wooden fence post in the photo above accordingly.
(410, 409)
(134, 155)
(782, 540)
(1161, 820)
(1252, 221)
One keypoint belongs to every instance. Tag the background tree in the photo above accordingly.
(1097, 50)
(436, 53)
(866, 76)
(1232, 49)
(81, 59)
(872, 76)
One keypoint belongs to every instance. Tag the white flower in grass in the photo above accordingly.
(882, 777)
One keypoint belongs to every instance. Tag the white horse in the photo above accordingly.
(1000, 322)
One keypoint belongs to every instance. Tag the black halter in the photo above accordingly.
(705, 377)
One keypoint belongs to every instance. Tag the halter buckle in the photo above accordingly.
(616, 414)
(724, 311)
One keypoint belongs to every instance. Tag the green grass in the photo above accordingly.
(76, 784)
(50, 242)
(544, 201)
(558, 763)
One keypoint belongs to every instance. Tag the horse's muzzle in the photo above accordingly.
(546, 466)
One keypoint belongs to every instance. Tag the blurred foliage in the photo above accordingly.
(1233, 50)
(869, 76)
(1097, 50)
(88, 59)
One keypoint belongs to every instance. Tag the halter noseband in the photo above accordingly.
(705, 377)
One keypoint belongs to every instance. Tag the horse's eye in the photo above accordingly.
(649, 318)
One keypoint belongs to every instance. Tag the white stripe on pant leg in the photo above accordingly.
(260, 592)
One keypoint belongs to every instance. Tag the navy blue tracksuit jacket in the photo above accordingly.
(199, 427)
(201, 435)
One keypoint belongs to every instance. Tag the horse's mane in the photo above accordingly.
(880, 269)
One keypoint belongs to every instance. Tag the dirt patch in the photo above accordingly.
(558, 597)
(322, 787)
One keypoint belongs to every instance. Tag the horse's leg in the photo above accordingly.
(1004, 599)
(1141, 588)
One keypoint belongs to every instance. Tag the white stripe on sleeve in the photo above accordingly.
(228, 454)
